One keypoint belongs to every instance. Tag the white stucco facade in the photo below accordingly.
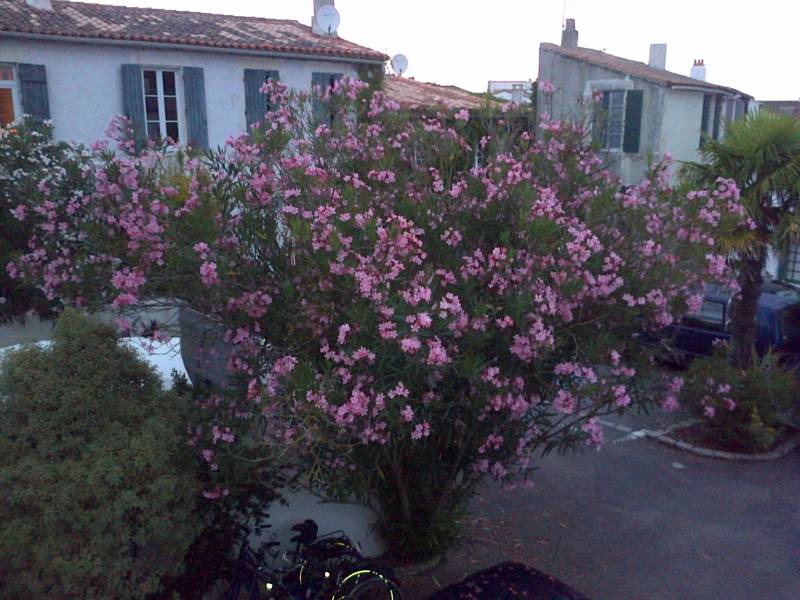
(680, 125)
(84, 80)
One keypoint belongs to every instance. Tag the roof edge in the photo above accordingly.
(700, 85)
(332, 56)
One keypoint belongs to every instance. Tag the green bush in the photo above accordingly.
(99, 487)
(741, 409)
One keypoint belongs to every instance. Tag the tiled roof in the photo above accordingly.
(636, 69)
(150, 25)
(786, 107)
(417, 94)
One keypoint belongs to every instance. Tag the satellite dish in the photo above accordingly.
(328, 19)
(399, 64)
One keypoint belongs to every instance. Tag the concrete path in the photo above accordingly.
(642, 521)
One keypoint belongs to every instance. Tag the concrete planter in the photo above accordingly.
(204, 352)
(356, 521)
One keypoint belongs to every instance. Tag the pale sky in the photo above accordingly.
(751, 45)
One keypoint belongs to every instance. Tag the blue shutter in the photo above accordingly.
(256, 104)
(33, 91)
(194, 98)
(321, 112)
(633, 120)
(133, 100)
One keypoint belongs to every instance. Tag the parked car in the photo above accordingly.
(777, 325)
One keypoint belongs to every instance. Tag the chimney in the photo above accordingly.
(658, 56)
(40, 4)
(569, 36)
(314, 25)
(698, 69)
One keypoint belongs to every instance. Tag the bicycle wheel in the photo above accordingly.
(367, 584)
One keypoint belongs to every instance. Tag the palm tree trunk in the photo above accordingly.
(745, 308)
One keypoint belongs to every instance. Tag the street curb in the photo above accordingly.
(779, 452)
(419, 568)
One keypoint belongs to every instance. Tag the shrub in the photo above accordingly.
(99, 491)
(742, 409)
(31, 163)
(409, 316)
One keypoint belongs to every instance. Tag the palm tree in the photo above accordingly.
(761, 153)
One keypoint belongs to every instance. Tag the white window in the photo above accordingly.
(792, 272)
(162, 104)
(517, 91)
(610, 120)
(9, 96)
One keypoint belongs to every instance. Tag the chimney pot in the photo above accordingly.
(698, 70)
(569, 35)
(658, 56)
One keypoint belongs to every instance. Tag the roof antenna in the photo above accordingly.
(564, 15)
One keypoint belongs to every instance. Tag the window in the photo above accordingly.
(9, 108)
(711, 118)
(790, 324)
(609, 120)
(517, 91)
(161, 104)
(792, 266)
(322, 112)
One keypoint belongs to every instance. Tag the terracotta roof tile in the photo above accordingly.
(150, 25)
(636, 69)
(411, 94)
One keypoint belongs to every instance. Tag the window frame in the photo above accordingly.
(605, 120)
(13, 85)
(791, 269)
(162, 115)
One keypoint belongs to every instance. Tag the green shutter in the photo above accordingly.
(194, 99)
(256, 104)
(717, 116)
(704, 118)
(323, 81)
(33, 91)
(133, 100)
(633, 120)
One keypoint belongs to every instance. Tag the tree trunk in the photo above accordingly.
(746, 307)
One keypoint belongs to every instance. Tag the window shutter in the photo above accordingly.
(324, 81)
(717, 116)
(133, 100)
(256, 104)
(194, 98)
(33, 91)
(633, 120)
(704, 119)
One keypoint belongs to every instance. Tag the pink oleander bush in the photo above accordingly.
(744, 410)
(413, 308)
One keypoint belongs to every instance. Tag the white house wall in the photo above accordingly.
(84, 81)
(680, 130)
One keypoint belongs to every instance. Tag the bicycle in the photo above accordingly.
(320, 568)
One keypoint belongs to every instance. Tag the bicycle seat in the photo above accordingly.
(307, 531)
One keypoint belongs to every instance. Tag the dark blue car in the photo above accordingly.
(777, 325)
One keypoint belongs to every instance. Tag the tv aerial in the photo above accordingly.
(399, 64)
(328, 19)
